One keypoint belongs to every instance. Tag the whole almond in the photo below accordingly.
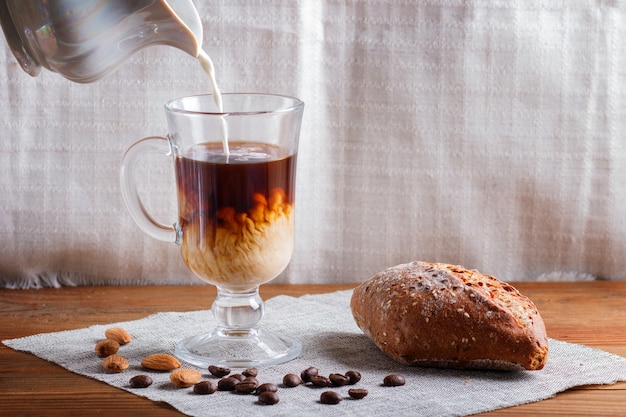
(183, 378)
(107, 347)
(115, 363)
(118, 334)
(160, 362)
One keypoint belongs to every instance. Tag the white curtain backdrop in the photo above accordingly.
(483, 133)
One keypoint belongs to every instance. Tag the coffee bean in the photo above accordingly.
(247, 386)
(394, 380)
(357, 393)
(218, 371)
(292, 380)
(354, 376)
(227, 384)
(251, 379)
(339, 380)
(250, 372)
(204, 387)
(330, 397)
(140, 381)
(320, 381)
(239, 377)
(308, 373)
(268, 398)
(268, 386)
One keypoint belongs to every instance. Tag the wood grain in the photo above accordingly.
(590, 313)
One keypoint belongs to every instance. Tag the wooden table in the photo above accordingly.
(590, 313)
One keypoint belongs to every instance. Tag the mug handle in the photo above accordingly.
(136, 151)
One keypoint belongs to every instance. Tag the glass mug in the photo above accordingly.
(235, 226)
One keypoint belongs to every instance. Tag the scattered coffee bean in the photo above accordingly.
(239, 377)
(394, 380)
(204, 387)
(320, 381)
(357, 393)
(253, 379)
(330, 397)
(268, 386)
(247, 386)
(268, 398)
(292, 380)
(250, 372)
(354, 376)
(227, 384)
(140, 381)
(338, 380)
(308, 373)
(218, 371)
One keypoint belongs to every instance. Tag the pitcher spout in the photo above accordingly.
(188, 35)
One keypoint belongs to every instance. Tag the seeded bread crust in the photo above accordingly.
(440, 315)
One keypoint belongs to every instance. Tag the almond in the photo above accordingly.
(107, 347)
(118, 334)
(183, 378)
(160, 362)
(115, 363)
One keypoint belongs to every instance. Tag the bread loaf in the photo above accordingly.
(425, 314)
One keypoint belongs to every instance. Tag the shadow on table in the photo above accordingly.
(357, 351)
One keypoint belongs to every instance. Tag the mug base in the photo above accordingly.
(238, 348)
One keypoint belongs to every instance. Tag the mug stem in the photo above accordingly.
(237, 312)
(237, 340)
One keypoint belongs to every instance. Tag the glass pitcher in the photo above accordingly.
(84, 40)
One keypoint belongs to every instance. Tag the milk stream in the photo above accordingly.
(209, 68)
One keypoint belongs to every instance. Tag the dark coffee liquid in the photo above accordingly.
(208, 182)
(236, 211)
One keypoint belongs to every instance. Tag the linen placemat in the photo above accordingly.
(332, 342)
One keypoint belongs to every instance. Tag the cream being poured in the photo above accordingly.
(209, 68)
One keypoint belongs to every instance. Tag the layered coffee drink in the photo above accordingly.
(236, 216)
(236, 212)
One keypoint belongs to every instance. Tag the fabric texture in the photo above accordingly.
(487, 134)
(333, 343)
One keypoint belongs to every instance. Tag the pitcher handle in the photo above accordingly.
(139, 149)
